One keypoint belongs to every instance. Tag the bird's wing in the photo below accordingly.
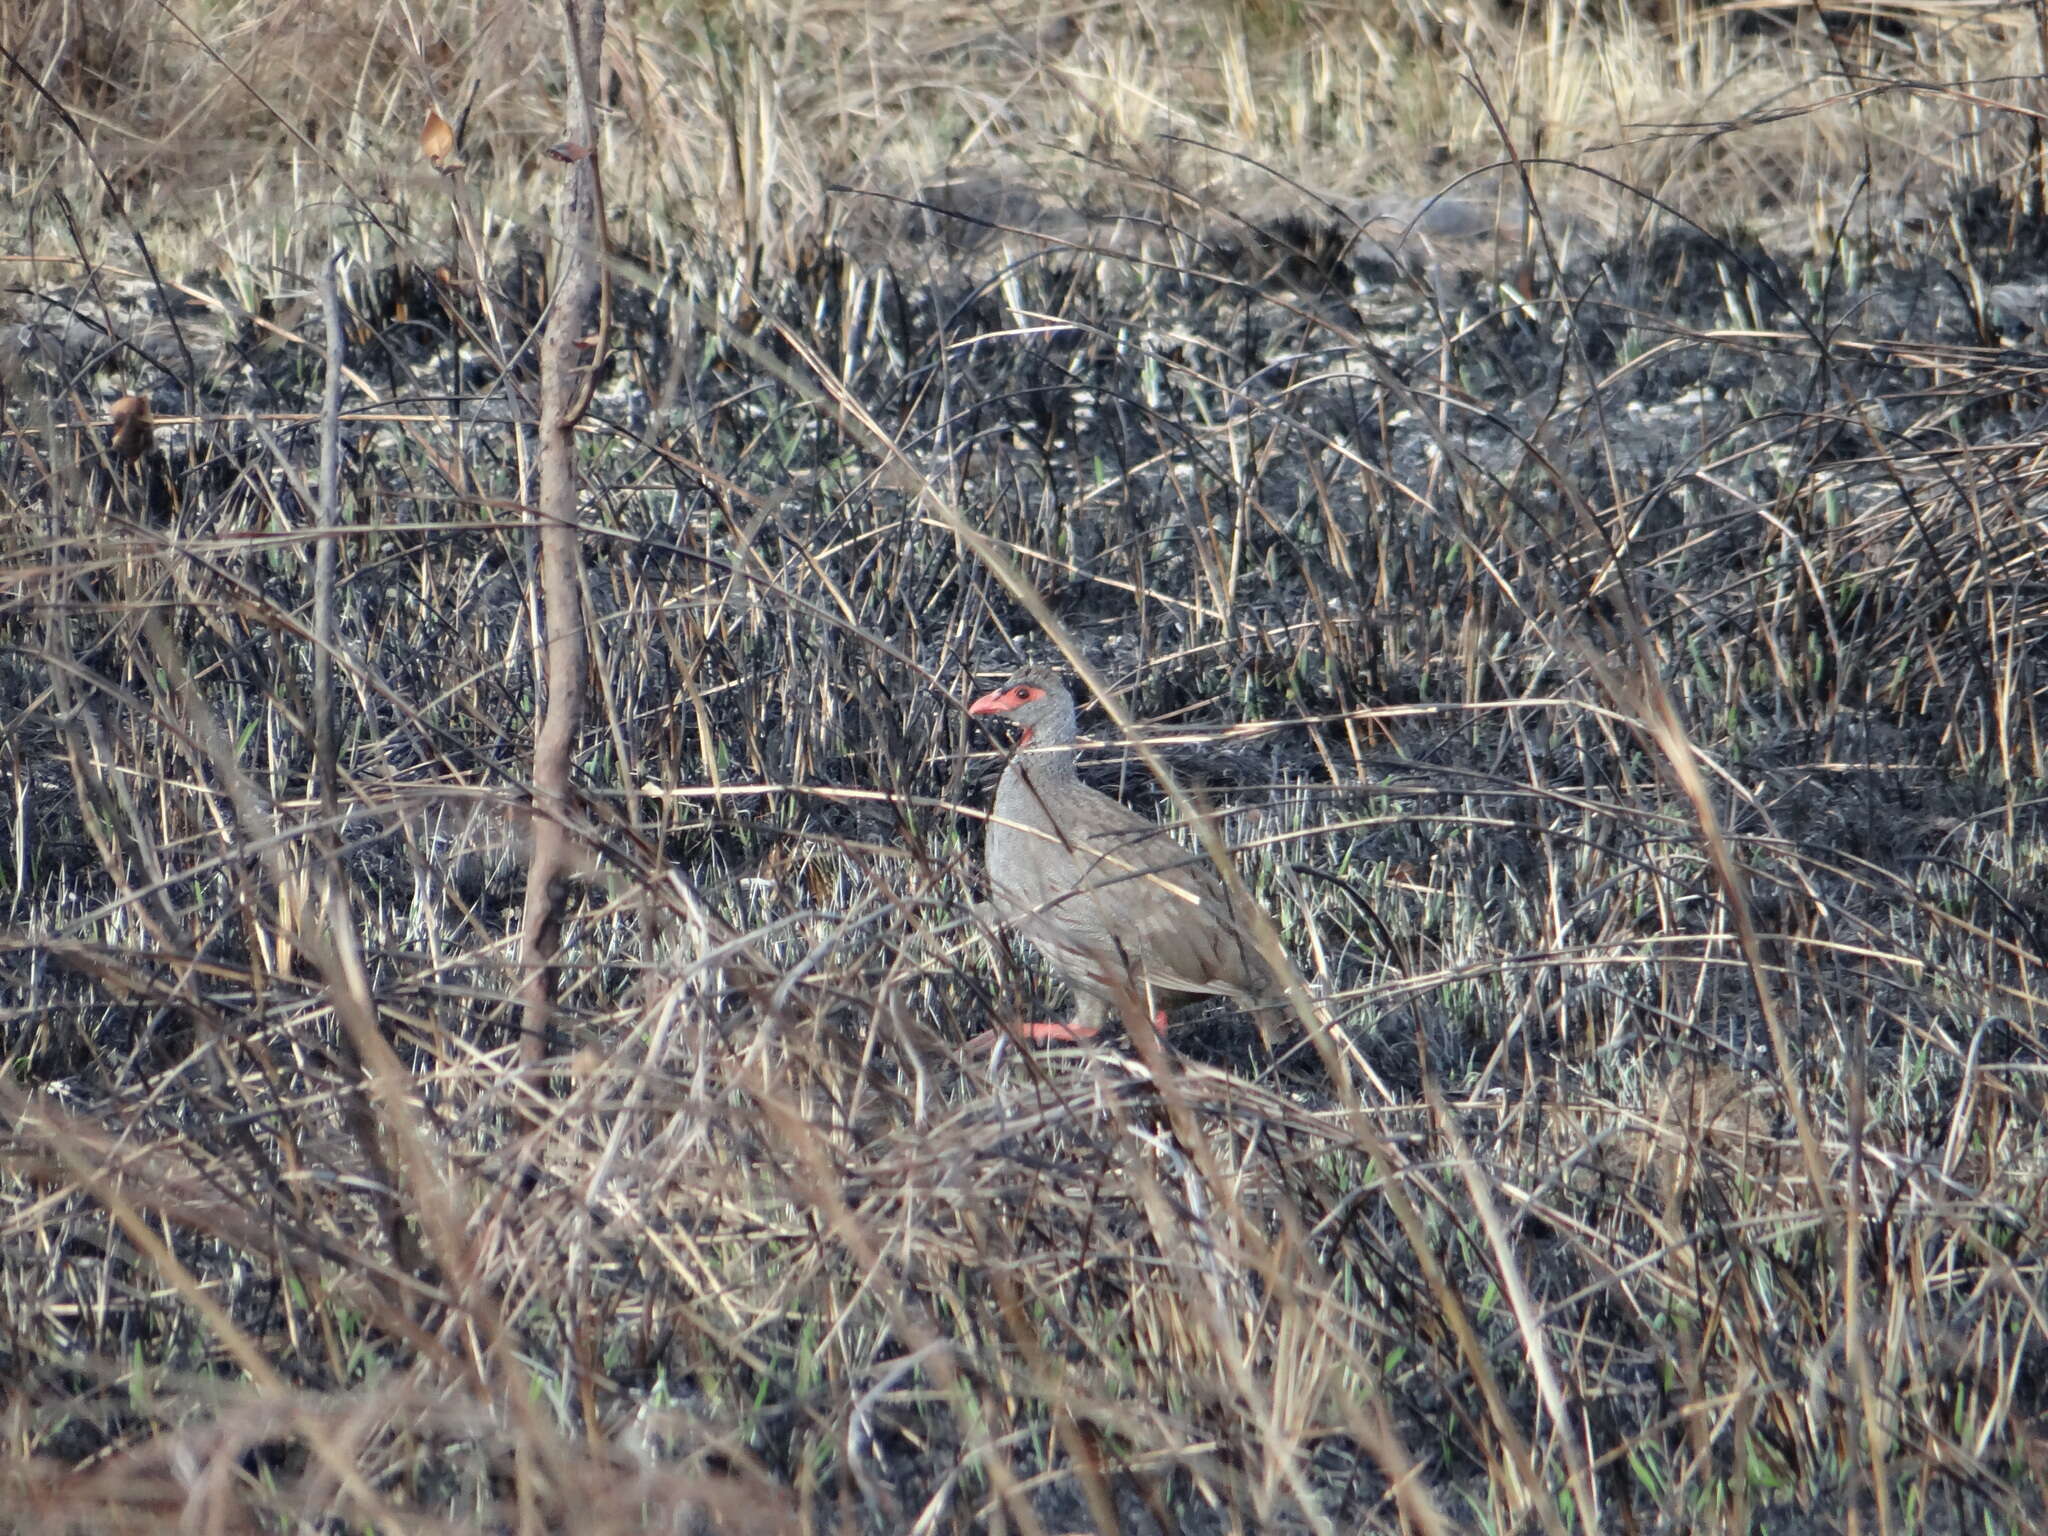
(1117, 889)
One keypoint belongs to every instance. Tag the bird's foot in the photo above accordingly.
(1050, 1032)
(1047, 1032)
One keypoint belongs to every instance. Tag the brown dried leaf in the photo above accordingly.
(437, 143)
(134, 428)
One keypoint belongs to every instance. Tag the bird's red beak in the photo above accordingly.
(997, 703)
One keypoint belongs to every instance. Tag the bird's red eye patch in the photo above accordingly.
(1024, 693)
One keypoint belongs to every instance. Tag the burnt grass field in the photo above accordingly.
(1621, 676)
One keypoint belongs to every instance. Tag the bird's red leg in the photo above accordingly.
(1050, 1032)
(1047, 1032)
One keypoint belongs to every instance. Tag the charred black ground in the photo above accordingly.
(1485, 553)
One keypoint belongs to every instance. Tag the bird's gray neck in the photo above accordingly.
(1045, 762)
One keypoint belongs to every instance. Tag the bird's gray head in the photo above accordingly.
(1035, 700)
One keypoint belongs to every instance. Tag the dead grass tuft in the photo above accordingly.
(1615, 665)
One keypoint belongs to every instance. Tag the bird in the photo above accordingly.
(1106, 895)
